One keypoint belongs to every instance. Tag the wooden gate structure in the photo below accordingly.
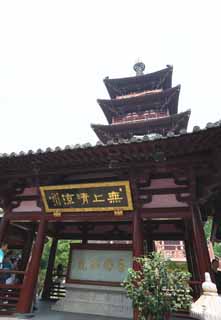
(175, 183)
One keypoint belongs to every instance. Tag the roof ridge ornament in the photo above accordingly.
(139, 68)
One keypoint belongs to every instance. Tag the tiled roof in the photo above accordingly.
(161, 100)
(88, 145)
(84, 161)
(156, 80)
(160, 125)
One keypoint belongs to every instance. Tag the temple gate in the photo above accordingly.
(172, 179)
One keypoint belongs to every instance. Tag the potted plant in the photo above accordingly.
(156, 289)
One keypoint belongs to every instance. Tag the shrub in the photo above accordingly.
(155, 289)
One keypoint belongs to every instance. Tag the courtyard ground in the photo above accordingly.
(44, 312)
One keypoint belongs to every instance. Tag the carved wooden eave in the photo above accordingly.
(159, 101)
(83, 160)
(126, 130)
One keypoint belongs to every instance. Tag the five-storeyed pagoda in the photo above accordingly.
(141, 105)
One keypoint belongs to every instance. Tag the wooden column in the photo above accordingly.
(190, 260)
(150, 245)
(200, 244)
(137, 235)
(3, 228)
(190, 249)
(137, 245)
(193, 267)
(50, 268)
(26, 252)
(30, 281)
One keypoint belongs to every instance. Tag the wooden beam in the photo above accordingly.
(164, 191)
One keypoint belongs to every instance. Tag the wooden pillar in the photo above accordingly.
(190, 260)
(50, 268)
(30, 280)
(193, 267)
(200, 244)
(3, 228)
(84, 239)
(137, 235)
(26, 252)
(150, 245)
(137, 245)
(190, 249)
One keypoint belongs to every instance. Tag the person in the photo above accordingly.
(7, 265)
(217, 274)
(60, 270)
(3, 249)
(19, 277)
(12, 278)
(59, 273)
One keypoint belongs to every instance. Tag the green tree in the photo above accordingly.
(156, 289)
(207, 230)
(62, 255)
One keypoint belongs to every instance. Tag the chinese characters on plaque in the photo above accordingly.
(103, 196)
(108, 264)
(100, 265)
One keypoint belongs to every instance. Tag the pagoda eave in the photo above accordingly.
(156, 80)
(127, 130)
(158, 101)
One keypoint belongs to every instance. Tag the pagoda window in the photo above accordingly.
(133, 116)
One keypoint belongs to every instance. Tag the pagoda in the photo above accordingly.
(141, 105)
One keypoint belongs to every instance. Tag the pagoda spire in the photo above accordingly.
(139, 68)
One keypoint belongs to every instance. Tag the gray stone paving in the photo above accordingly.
(45, 313)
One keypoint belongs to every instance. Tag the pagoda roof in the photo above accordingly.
(156, 80)
(123, 130)
(159, 100)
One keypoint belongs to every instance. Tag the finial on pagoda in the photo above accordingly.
(139, 68)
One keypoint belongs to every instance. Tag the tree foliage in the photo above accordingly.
(156, 289)
(62, 254)
(207, 230)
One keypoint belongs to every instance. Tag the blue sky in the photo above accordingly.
(55, 54)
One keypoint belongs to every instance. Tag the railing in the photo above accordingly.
(57, 289)
(9, 293)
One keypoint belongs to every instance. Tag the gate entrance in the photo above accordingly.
(146, 180)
